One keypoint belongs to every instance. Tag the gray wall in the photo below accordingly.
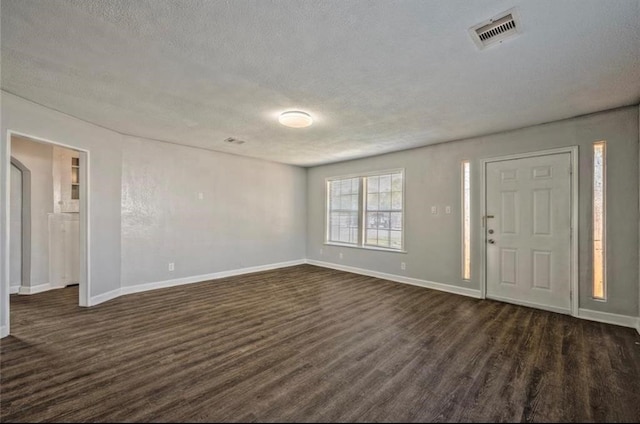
(252, 212)
(38, 158)
(433, 178)
(105, 176)
(145, 210)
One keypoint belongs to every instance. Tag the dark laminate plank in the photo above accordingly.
(311, 345)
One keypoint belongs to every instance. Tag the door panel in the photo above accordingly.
(528, 231)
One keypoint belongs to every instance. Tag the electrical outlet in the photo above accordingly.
(403, 265)
(434, 210)
(172, 266)
(340, 255)
(447, 210)
(321, 251)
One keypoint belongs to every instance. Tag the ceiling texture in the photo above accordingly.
(376, 75)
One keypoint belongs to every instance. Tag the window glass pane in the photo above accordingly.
(372, 202)
(396, 220)
(372, 220)
(354, 202)
(372, 184)
(343, 210)
(345, 202)
(466, 220)
(385, 183)
(335, 232)
(396, 239)
(335, 188)
(383, 238)
(345, 186)
(396, 200)
(372, 237)
(385, 201)
(396, 182)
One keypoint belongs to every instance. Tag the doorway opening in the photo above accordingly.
(48, 217)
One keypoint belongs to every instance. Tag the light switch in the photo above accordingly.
(447, 210)
(434, 210)
(200, 195)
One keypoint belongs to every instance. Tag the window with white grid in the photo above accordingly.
(344, 208)
(383, 210)
(366, 211)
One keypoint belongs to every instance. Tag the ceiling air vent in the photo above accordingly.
(496, 30)
(232, 140)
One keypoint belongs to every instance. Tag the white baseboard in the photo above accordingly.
(609, 318)
(400, 279)
(3, 331)
(36, 289)
(532, 305)
(95, 300)
(14, 289)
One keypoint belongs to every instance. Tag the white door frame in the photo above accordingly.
(573, 152)
(85, 274)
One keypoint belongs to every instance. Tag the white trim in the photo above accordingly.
(14, 289)
(85, 229)
(532, 305)
(399, 279)
(6, 278)
(38, 289)
(190, 280)
(4, 332)
(609, 318)
(105, 297)
(354, 246)
(573, 152)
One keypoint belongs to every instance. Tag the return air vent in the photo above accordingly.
(496, 30)
(232, 140)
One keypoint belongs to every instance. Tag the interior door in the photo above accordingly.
(528, 231)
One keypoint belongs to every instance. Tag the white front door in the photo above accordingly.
(528, 231)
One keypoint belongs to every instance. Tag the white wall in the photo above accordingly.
(433, 243)
(38, 158)
(252, 212)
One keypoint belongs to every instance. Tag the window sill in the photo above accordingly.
(381, 249)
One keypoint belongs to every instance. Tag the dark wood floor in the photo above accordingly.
(310, 344)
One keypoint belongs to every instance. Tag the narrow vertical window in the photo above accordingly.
(466, 220)
(599, 214)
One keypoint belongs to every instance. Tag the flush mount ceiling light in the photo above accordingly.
(295, 119)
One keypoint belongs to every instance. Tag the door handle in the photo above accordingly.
(492, 241)
(484, 219)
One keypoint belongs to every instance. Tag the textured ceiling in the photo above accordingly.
(377, 75)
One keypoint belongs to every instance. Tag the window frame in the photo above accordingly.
(362, 210)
